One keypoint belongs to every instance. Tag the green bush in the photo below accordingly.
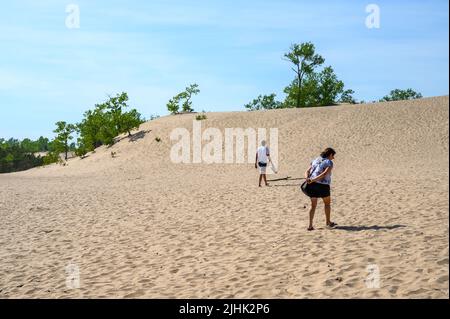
(264, 102)
(201, 117)
(400, 95)
(108, 120)
(51, 158)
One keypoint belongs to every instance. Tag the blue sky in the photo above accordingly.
(233, 49)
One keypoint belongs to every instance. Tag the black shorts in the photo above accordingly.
(261, 164)
(317, 190)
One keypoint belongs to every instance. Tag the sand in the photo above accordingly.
(140, 226)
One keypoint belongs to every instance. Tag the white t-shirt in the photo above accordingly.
(263, 151)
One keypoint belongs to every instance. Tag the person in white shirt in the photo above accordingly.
(262, 158)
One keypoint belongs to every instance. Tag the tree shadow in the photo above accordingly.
(374, 227)
(284, 185)
(288, 178)
(137, 136)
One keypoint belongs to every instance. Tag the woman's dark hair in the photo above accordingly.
(327, 152)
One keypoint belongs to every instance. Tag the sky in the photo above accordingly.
(152, 49)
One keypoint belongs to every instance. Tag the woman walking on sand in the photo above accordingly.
(318, 180)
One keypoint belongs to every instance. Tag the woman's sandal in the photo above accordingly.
(331, 225)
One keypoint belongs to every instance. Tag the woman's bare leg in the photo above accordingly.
(327, 203)
(311, 212)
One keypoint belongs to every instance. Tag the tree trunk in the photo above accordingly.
(299, 86)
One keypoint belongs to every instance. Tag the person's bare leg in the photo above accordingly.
(327, 203)
(260, 179)
(265, 180)
(311, 213)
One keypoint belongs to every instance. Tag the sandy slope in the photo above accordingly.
(140, 226)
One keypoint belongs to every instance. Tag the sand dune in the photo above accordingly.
(139, 226)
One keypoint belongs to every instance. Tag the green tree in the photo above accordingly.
(43, 144)
(400, 95)
(81, 150)
(122, 121)
(173, 106)
(329, 87)
(115, 107)
(130, 121)
(318, 89)
(305, 60)
(187, 96)
(29, 146)
(64, 135)
(103, 124)
(50, 158)
(95, 129)
(347, 97)
(18, 155)
(309, 95)
(264, 102)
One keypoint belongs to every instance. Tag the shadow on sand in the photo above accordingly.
(286, 179)
(137, 136)
(361, 228)
(298, 185)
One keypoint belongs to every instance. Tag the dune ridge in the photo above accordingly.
(139, 226)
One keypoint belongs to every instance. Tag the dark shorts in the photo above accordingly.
(261, 164)
(317, 190)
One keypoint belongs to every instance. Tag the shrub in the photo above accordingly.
(399, 95)
(264, 102)
(201, 117)
(50, 158)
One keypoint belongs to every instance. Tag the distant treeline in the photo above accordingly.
(98, 127)
(16, 155)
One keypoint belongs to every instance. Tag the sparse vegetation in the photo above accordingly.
(311, 86)
(305, 60)
(173, 106)
(398, 95)
(157, 139)
(264, 102)
(81, 151)
(51, 158)
(108, 120)
(64, 135)
(347, 97)
(201, 117)
(18, 155)
(99, 127)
